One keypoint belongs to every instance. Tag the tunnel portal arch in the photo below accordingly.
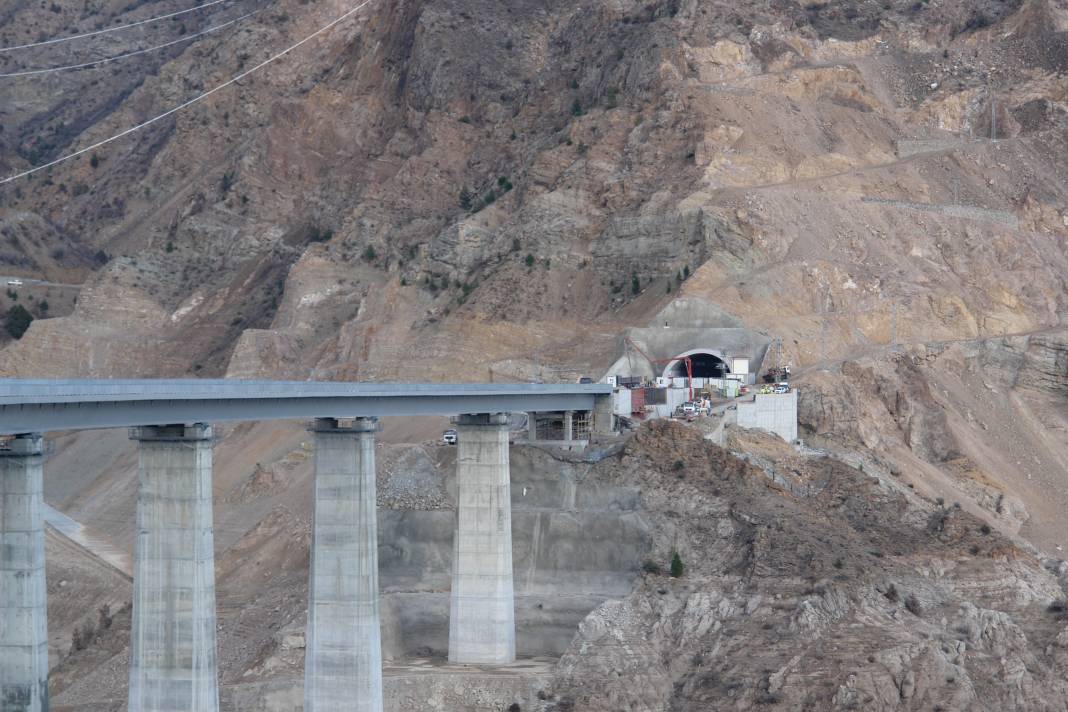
(707, 363)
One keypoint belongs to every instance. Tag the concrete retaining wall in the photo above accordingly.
(774, 412)
(967, 212)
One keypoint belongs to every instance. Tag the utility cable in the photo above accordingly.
(98, 62)
(192, 101)
(111, 29)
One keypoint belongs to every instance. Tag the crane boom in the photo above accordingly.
(654, 361)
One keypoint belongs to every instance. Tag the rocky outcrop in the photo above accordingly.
(1045, 366)
(899, 604)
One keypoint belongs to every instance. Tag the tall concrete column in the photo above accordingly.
(172, 638)
(23, 596)
(569, 425)
(482, 622)
(532, 427)
(603, 415)
(343, 658)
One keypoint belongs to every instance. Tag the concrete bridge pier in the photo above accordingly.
(482, 615)
(173, 664)
(603, 416)
(343, 659)
(23, 596)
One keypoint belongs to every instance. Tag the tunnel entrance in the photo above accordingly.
(705, 365)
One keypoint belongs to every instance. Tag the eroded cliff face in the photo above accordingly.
(428, 176)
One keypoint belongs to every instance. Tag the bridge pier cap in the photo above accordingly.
(354, 424)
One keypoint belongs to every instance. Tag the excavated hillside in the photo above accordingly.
(476, 190)
(439, 189)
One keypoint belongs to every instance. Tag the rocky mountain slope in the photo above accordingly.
(812, 585)
(470, 190)
(390, 183)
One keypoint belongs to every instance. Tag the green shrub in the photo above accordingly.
(651, 567)
(529, 260)
(576, 108)
(18, 321)
(677, 568)
(369, 253)
(635, 285)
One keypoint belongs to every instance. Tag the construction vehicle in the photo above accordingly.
(777, 374)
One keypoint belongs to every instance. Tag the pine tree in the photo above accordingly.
(677, 569)
(18, 321)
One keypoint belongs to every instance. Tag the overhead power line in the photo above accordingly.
(192, 101)
(111, 29)
(98, 62)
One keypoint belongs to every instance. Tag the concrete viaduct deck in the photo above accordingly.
(43, 405)
(173, 659)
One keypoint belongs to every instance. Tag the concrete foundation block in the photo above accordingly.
(173, 664)
(343, 658)
(23, 595)
(482, 610)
